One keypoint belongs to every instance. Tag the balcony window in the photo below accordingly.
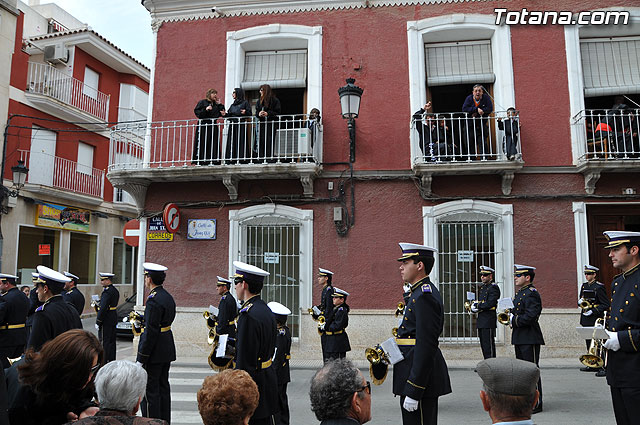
(91, 81)
(85, 158)
(133, 103)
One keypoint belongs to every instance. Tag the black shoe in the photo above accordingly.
(588, 369)
(537, 409)
(600, 373)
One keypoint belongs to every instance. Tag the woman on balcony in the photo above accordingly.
(267, 111)
(206, 145)
(237, 149)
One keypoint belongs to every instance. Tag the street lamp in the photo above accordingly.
(19, 179)
(350, 103)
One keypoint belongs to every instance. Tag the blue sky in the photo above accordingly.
(126, 23)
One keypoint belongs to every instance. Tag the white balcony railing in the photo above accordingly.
(610, 134)
(46, 80)
(456, 137)
(60, 173)
(223, 141)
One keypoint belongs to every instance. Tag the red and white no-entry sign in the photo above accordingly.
(171, 218)
(131, 232)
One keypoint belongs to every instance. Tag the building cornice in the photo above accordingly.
(185, 10)
(9, 8)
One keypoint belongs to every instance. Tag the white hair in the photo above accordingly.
(120, 384)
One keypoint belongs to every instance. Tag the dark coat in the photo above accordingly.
(51, 319)
(107, 315)
(14, 306)
(283, 354)
(423, 373)
(623, 366)
(156, 342)
(601, 302)
(326, 301)
(469, 106)
(255, 346)
(487, 303)
(26, 408)
(272, 110)
(201, 110)
(34, 303)
(114, 417)
(341, 421)
(337, 340)
(227, 314)
(75, 297)
(527, 306)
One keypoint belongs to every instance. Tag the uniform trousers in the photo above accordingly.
(108, 339)
(282, 417)
(626, 405)
(487, 342)
(425, 414)
(157, 400)
(333, 355)
(262, 421)
(530, 353)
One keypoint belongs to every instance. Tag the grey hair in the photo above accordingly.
(513, 405)
(332, 388)
(120, 384)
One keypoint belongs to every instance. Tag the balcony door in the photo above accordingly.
(43, 152)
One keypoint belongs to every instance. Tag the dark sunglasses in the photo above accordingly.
(519, 274)
(237, 280)
(589, 272)
(366, 387)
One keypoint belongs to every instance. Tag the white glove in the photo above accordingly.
(474, 308)
(511, 318)
(321, 326)
(410, 404)
(588, 313)
(97, 327)
(138, 363)
(612, 343)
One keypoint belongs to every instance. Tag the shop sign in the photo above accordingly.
(465, 256)
(61, 217)
(202, 229)
(157, 232)
(271, 257)
(44, 249)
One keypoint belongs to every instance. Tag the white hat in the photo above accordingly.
(524, 269)
(49, 275)
(153, 267)
(616, 238)
(278, 308)
(249, 272)
(486, 270)
(223, 281)
(106, 275)
(337, 292)
(324, 272)
(9, 277)
(414, 250)
(590, 268)
(71, 275)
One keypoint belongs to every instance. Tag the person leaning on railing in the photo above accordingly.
(237, 148)
(205, 144)
(478, 107)
(432, 134)
(267, 111)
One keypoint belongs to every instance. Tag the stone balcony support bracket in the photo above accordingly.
(231, 184)
(507, 179)
(591, 177)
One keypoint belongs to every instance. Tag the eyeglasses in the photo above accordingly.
(95, 368)
(518, 274)
(588, 273)
(237, 280)
(367, 387)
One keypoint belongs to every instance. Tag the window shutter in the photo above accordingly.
(279, 69)
(459, 63)
(610, 66)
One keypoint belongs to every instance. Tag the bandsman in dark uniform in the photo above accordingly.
(325, 278)
(256, 342)
(337, 340)
(485, 306)
(72, 294)
(596, 294)
(107, 316)
(281, 360)
(14, 306)
(157, 349)
(623, 357)
(54, 316)
(34, 302)
(422, 376)
(527, 306)
(227, 310)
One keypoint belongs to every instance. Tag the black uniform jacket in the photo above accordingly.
(75, 297)
(623, 366)
(107, 315)
(326, 301)
(13, 311)
(254, 350)
(283, 354)
(423, 372)
(227, 314)
(487, 304)
(156, 342)
(201, 109)
(51, 319)
(337, 340)
(601, 302)
(527, 306)
(34, 303)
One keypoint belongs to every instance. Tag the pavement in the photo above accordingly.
(570, 397)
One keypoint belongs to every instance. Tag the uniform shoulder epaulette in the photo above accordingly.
(531, 288)
(426, 288)
(246, 308)
(151, 295)
(281, 331)
(40, 308)
(600, 283)
(223, 297)
(493, 283)
(619, 274)
(340, 308)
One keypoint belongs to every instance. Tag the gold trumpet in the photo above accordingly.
(399, 309)
(135, 319)
(394, 332)
(321, 322)
(503, 317)
(585, 304)
(595, 356)
(378, 364)
(313, 316)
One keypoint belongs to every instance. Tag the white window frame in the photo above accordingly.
(575, 76)
(504, 245)
(88, 88)
(134, 260)
(17, 246)
(85, 152)
(418, 33)
(303, 217)
(68, 245)
(238, 42)
(129, 95)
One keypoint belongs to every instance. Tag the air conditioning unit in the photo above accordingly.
(56, 53)
(293, 142)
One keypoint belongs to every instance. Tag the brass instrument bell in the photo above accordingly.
(378, 364)
(585, 304)
(321, 322)
(399, 309)
(595, 356)
(135, 319)
(503, 317)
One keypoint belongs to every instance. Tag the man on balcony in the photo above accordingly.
(477, 106)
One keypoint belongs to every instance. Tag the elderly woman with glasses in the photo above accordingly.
(55, 385)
